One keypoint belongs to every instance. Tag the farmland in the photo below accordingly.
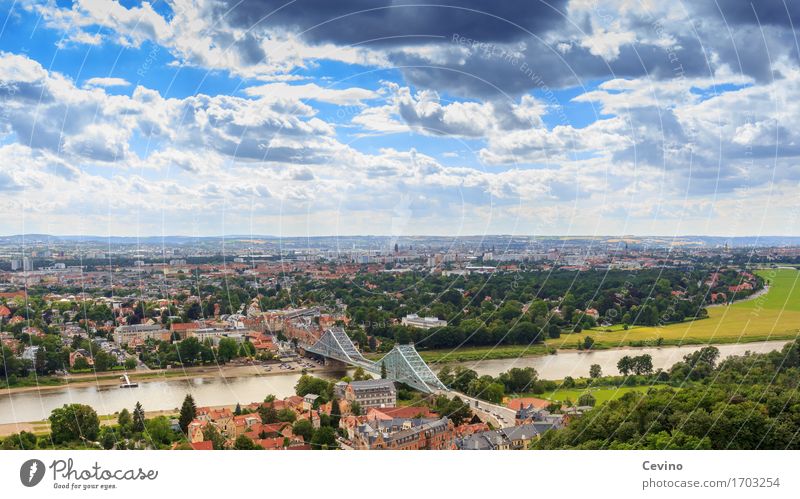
(772, 316)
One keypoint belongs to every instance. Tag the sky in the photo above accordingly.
(399, 117)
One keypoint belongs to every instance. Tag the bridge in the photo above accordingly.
(402, 364)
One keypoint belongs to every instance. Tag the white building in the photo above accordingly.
(413, 320)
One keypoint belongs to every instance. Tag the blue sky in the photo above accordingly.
(310, 117)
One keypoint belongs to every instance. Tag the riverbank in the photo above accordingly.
(189, 373)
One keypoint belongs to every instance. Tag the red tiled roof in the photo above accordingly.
(204, 445)
(517, 404)
(184, 326)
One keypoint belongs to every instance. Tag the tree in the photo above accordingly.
(310, 384)
(336, 413)
(130, 363)
(124, 419)
(23, 440)
(138, 418)
(188, 413)
(80, 364)
(268, 413)
(383, 370)
(587, 399)
(643, 364)
(210, 432)
(595, 371)
(159, 431)
(625, 365)
(588, 342)
(243, 442)
(324, 438)
(74, 422)
(227, 349)
(189, 350)
(286, 415)
(303, 428)
(237, 411)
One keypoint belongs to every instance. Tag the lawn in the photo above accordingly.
(772, 316)
(601, 394)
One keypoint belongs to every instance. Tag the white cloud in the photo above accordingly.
(107, 82)
(352, 96)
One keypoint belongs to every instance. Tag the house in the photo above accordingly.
(309, 400)
(30, 353)
(5, 312)
(512, 438)
(80, 354)
(406, 434)
(368, 393)
(414, 320)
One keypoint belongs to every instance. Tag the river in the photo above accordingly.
(168, 394)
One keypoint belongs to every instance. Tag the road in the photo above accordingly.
(501, 417)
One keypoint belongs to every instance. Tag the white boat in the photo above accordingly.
(126, 382)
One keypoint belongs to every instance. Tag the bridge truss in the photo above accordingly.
(403, 364)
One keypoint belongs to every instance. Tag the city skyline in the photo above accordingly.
(575, 118)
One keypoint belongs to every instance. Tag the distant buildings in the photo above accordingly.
(139, 333)
(511, 438)
(407, 434)
(368, 393)
(413, 320)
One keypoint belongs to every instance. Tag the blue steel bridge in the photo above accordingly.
(403, 364)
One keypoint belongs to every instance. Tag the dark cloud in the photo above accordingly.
(543, 67)
(390, 22)
(784, 13)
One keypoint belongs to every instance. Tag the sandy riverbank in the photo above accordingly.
(225, 371)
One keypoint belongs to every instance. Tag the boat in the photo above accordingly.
(126, 382)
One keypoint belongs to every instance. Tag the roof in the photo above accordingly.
(399, 412)
(517, 404)
(204, 445)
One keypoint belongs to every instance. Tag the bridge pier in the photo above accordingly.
(335, 364)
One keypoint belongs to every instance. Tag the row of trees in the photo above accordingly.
(744, 402)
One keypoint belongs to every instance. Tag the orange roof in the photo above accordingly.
(184, 326)
(204, 445)
(270, 443)
(517, 404)
(399, 412)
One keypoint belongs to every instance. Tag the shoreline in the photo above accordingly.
(103, 380)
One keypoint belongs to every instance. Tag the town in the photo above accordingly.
(373, 345)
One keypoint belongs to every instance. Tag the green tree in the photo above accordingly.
(124, 419)
(188, 413)
(324, 438)
(625, 365)
(587, 399)
(383, 370)
(74, 422)
(23, 440)
(303, 428)
(243, 442)
(210, 432)
(159, 431)
(595, 371)
(227, 349)
(138, 418)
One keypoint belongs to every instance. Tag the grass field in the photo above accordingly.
(601, 394)
(772, 316)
